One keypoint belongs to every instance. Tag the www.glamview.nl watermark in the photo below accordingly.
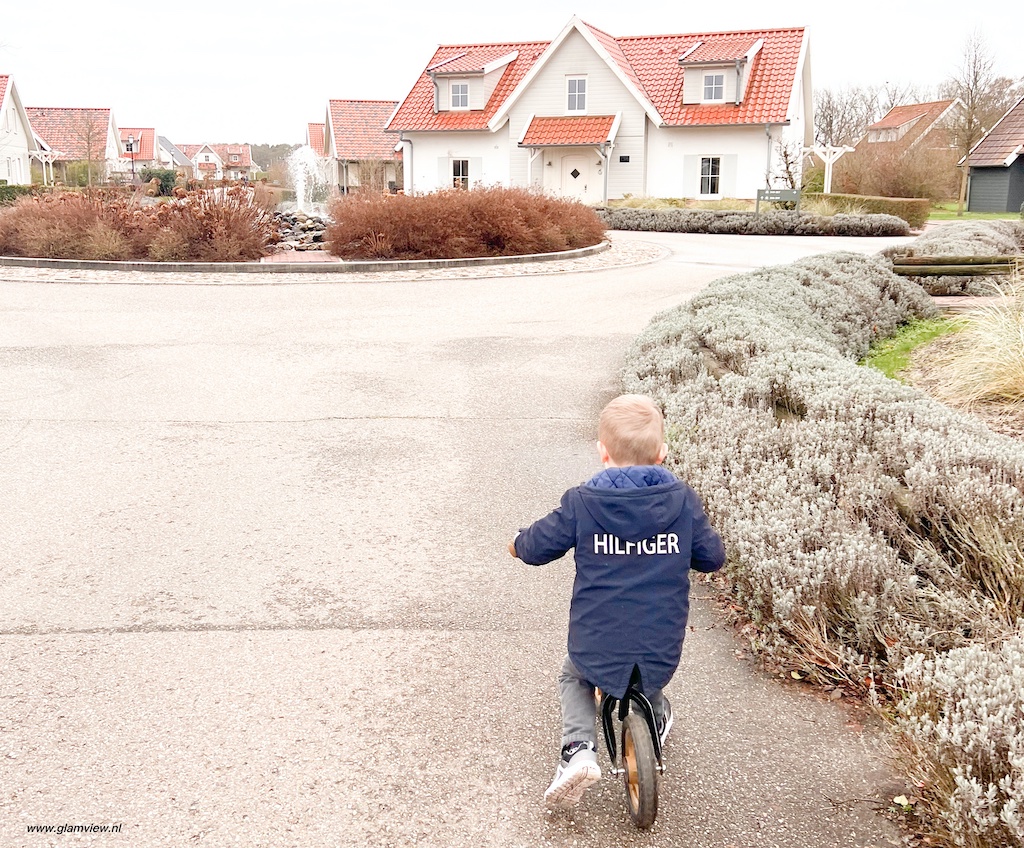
(59, 829)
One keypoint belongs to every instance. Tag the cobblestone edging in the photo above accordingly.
(280, 267)
(599, 257)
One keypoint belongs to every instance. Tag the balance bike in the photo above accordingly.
(638, 759)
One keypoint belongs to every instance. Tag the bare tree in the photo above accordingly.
(893, 94)
(91, 134)
(842, 115)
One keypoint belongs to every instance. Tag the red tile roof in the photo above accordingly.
(145, 142)
(74, 133)
(650, 63)
(3, 88)
(315, 137)
(926, 118)
(900, 115)
(417, 110)
(555, 132)
(770, 77)
(614, 49)
(357, 129)
(1004, 140)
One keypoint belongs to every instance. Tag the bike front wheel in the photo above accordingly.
(640, 771)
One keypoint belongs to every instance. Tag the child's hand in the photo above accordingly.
(512, 549)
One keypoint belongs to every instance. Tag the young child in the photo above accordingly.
(637, 531)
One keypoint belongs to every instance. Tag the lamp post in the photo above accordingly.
(131, 149)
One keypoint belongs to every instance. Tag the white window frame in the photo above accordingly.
(460, 173)
(717, 79)
(712, 180)
(462, 95)
(574, 96)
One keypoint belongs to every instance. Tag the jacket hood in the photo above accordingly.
(634, 503)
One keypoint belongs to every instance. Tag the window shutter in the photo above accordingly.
(476, 171)
(730, 169)
(444, 172)
(691, 176)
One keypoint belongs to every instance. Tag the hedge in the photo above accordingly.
(874, 536)
(10, 193)
(913, 210)
(777, 223)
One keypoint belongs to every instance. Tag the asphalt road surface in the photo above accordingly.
(254, 588)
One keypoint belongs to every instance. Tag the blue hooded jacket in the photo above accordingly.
(637, 532)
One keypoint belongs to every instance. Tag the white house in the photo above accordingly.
(221, 161)
(595, 117)
(18, 144)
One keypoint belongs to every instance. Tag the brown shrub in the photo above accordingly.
(167, 246)
(103, 241)
(456, 224)
(886, 170)
(215, 226)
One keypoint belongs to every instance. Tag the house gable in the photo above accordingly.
(606, 51)
(19, 142)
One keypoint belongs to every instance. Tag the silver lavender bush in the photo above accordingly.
(869, 528)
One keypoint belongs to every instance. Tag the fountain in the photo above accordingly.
(308, 174)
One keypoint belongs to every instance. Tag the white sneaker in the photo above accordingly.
(577, 772)
(664, 724)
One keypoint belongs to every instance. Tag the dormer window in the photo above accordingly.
(576, 101)
(714, 87)
(460, 95)
(234, 157)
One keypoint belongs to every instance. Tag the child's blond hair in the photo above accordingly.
(632, 430)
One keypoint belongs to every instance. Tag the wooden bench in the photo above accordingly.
(777, 195)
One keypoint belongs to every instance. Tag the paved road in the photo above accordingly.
(253, 587)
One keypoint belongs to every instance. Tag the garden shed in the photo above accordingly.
(997, 166)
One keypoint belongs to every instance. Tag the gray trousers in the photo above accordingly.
(579, 709)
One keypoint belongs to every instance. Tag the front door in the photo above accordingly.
(579, 178)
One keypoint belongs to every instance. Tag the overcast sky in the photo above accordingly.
(259, 71)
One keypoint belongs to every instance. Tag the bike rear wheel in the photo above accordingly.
(640, 771)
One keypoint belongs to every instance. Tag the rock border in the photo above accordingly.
(341, 267)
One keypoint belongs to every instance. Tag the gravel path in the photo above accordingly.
(253, 578)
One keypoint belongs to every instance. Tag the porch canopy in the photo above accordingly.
(574, 131)
(596, 131)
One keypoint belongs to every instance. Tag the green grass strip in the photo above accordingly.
(892, 355)
(947, 212)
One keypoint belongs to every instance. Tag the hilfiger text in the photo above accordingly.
(663, 543)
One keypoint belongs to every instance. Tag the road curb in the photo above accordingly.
(298, 267)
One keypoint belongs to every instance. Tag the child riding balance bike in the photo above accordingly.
(636, 530)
